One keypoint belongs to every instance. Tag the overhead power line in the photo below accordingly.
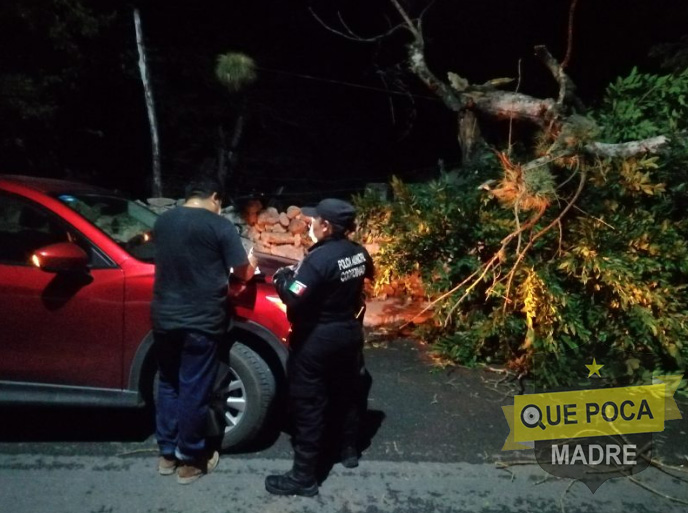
(348, 84)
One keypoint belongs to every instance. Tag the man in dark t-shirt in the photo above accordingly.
(195, 249)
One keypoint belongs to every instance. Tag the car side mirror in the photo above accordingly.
(59, 258)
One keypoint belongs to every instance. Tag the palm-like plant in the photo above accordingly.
(235, 70)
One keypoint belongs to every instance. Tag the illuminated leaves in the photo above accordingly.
(644, 105)
(608, 281)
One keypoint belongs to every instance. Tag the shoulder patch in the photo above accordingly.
(297, 288)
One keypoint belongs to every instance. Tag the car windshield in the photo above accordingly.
(125, 221)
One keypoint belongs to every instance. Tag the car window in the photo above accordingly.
(126, 222)
(26, 227)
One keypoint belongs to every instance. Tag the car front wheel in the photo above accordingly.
(244, 394)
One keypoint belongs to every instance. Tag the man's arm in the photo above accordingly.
(246, 271)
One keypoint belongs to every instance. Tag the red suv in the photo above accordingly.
(76, 281)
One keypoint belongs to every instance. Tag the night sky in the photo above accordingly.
(319, 117)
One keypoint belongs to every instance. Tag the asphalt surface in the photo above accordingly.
(434, 440)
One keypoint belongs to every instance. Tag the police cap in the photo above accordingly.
(334, 210)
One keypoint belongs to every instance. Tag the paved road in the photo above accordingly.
(436, 436)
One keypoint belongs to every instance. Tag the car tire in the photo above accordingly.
(244, 394)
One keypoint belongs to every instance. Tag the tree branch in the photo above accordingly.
(567, 89)
(420, 68)
(505, 105)
(409, 23)
(569, 43)
(605, 150)
(628, 149)
(350, 34)
(426, 9)
(542, 232)
(544, 112)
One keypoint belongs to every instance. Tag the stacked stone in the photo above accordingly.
(270, 231)
(410, 286)
(160, 205)
(278, 233)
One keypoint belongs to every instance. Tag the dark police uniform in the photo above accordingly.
(324, 298)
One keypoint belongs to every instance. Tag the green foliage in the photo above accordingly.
(32, 76)
(235, 70)
(540, 182)
(608, 280)
(48, 70)
(644, 105)
(24, 96)
(674, 56)
(418, 231)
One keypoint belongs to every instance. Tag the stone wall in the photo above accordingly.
(286, 234)
(278, 233)
(267, 230)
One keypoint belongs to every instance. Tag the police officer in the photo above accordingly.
(323, 295)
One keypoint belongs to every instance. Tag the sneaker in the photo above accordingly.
(287, 484)
(349, 457)
(190, 471)
(167, 465)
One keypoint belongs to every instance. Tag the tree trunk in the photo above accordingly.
(470, 138)
(221, 157)
(234, 144)
(150, 106)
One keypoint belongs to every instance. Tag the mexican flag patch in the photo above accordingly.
(297, 288)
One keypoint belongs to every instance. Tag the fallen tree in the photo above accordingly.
(548, 256)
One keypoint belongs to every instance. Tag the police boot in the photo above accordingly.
(349, 456)
(300, 480)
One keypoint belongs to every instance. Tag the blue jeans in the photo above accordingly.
(188, 367)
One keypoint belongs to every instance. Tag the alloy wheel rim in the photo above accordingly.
(235, 402)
